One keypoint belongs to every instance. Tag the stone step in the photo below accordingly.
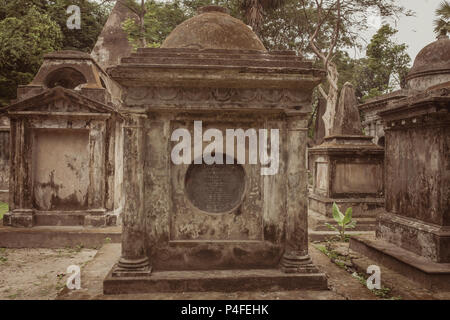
(317, 221)
(51, 219)
(324, 235)
(362, 224)
(58, 237)
(215, 280)
(432, 275)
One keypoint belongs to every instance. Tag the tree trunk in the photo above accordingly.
(142, 25)
(332, 98)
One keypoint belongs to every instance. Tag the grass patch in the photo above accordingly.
(3, 209)
(342, 261)
(383, 293)
(3, 254)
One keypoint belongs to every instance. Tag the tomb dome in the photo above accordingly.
(432, 65)
(213, 28)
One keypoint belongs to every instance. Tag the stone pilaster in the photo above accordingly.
(22, 212)
(134, 260)
(296, 258)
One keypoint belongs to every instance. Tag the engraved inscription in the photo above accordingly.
(216, 188)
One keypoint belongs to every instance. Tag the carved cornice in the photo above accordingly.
(178, 96)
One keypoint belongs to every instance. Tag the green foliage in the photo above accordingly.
(285, 28)
(31, 28)
(3, 209)
(159, 20)
(93, 18)
(442, 21)
(23, 42)
(383, 293)
(344, 222)
(385, 67)
(3, 255)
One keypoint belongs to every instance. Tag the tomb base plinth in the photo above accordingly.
(214, 280)
(127, 268)
(23, 218)
(27, 218)
(347, 170)
(293, 263)
(432, 275)
(320, 211)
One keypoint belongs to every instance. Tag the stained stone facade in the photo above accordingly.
(65, 146)
(197, 217)
(371, 122)
(347, 169)
(4, 159)
(413, 234)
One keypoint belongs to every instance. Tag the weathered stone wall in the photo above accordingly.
(418, 175)
(348, 180)
(425, 82)
(180, 235)
(118, 151)
(417, 157)
(4, 160)
(61, 169)
(64, 157)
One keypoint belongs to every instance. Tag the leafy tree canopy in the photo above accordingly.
(442, 21)
(31, 28)
(23, 42)
(385, 67)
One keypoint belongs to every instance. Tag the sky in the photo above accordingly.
(415, 31)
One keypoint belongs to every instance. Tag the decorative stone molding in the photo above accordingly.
(136, 96)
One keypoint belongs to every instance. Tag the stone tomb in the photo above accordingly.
(413, 233)
(65, 147)
(347, 168)
(192, 226)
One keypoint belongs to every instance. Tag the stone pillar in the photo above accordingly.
(20, 200)
(296, 257)
(134, 260)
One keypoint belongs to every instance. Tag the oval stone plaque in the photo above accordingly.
(216, 188)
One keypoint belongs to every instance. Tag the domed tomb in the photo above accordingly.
(432, 65)
(213, 28)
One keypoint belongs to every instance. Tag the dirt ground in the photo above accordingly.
(41, 274)
(37, 274)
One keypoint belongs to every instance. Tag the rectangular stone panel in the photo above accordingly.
(358, 178)
(60, 169)
(322, 176)
(416, 179)
(216, 202)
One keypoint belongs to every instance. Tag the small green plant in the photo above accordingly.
(108, 240)
(3, 255)
(3, 209)
(344, 222)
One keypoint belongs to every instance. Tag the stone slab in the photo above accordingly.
(324, 235)
(317, 222)
(430, 274)
(4, 195)
(58, 237)
(362, 207)
(215, 280)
